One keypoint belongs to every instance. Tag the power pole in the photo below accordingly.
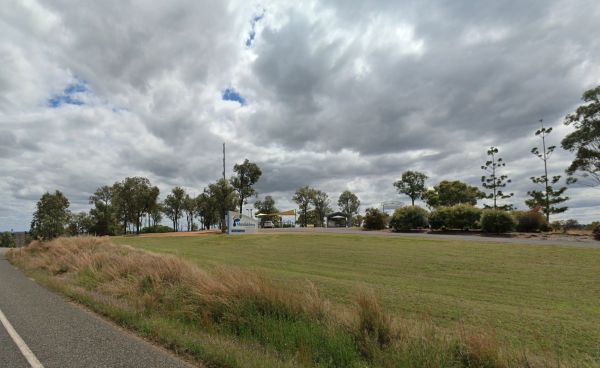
(224, 162)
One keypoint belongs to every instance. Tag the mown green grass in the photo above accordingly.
(544, 298)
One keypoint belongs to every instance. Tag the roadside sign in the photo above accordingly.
(238, 224)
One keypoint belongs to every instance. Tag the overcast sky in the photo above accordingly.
(334, 94)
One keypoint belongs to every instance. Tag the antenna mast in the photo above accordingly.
(224, 161)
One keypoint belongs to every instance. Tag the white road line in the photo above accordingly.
(27, 353)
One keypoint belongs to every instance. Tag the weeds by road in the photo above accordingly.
(234, 318)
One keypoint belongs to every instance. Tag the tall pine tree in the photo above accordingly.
(494, 181)
(549, 196)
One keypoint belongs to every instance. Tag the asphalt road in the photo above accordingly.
(62, 335)
(474, 237)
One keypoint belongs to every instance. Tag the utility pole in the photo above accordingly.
(224, 162)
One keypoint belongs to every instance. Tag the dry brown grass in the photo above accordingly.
(172, 300)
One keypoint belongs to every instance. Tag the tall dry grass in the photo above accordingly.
(232, 317)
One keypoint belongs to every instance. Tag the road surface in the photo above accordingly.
(574, 242)
(40, 329)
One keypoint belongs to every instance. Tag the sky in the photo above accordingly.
(335, 94)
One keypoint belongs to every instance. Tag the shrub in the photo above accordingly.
(530, 221)
(464, 216)
(408, 218)
(596, 232)
(7, 240)
(557, 225)
(374, 219)
(571, 224)
(497, 221)
(156, 229)
(460, 216)
(440, 218)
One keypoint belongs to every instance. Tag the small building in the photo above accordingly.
(336, 219)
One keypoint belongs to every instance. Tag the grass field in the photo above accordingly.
(545, 298)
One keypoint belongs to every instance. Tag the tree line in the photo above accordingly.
(548, 195)
(133, 205)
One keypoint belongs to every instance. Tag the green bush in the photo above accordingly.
(497, 221)
(7, 240)
(464, 216)
(374, 219)
(440, 218)
(409, 218)
(156, 229)
(530, 221)
(460, 216)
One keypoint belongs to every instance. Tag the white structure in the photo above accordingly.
(238, 224)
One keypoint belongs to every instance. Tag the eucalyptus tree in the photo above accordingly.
(266, 206)
(348, 203)
(304, 199)
(51, 216)
(173, 206)
(131, 198)
(206, 209)
(246, 175)
(494, 180)
(321, 203)
(225, 199)
(190, 209)
(450, 193)
(103, 211)
(412, 184)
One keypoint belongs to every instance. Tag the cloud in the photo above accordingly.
(335, 94)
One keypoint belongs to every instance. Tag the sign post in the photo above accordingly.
(238, 224)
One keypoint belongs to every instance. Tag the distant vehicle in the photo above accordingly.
(268, 224)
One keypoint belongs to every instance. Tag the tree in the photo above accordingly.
(173, 206)
(103, 212)
(585, 140)
(266, 206)
(494, 181)
(450, 193)
(132, 199)
(412, 184)
(207, 209)
(247, 174)
(156, 214)
(374, 219)
(547, 198)
(51, 216)
(189, 207)
(80, 223)
(304, 198)
(7, 240)
(225, 199)
(321, 203)
(348, 203)
(151, 204)
(309, 218)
